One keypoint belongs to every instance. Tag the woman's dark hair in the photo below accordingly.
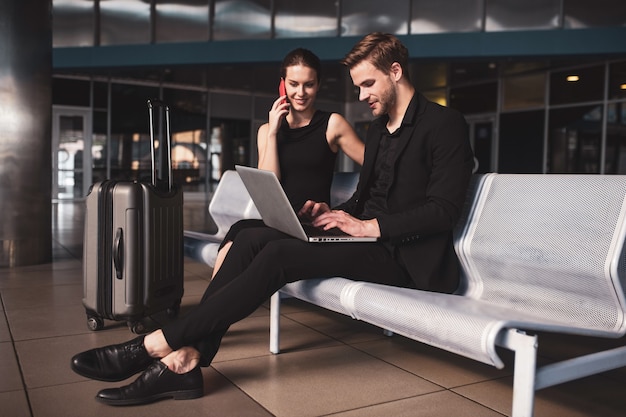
(304, 57)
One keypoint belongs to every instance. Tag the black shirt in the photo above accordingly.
(383, 176)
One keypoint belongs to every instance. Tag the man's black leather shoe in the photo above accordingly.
(156, 383)
(113, 363)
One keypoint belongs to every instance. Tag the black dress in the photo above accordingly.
(306, 164)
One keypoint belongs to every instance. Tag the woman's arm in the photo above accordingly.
(266, 138)
(341, 135)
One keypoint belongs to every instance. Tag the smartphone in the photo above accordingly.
(281, 90)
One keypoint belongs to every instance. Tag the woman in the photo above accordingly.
(299, 143)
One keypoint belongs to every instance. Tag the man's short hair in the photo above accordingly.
(381, 50)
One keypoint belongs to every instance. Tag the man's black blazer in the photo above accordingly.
(432, 169)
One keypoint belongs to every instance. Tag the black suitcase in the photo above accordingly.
(133, 244)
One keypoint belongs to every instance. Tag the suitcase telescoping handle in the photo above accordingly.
(167, 155)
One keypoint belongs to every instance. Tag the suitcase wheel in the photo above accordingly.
(136, 327)
(95, 323)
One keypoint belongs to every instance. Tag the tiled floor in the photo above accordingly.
(330, 365)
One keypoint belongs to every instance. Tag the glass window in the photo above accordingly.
(99, 157)
(583, 14)
(124, 22)
(616, 139)
(463, 72)
(100, 95)
(305, 19)
(482, 137)
(73, 23)
(516, 15)
(437, 96)
(433, 16)
(521, 142)
(360, 17)
(427, 75)
(519, 67)
(574, 140)
(577, 85)
(70, 92)
(524, 92)
(617, 80)
(244, 19)
(182, 20)
(130, 139)
(475, 99)
(189, 143)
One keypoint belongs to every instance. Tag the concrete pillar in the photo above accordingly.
(25, 132)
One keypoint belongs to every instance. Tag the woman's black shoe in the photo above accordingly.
(113, 363)
(156, 383)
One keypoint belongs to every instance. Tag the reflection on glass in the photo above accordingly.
(73, 23)
(427, 75)
(124, 22)
(575, 140)
(242, 19)
(69, 161)
(305, 19)
(577, 85)
(189, 139)
(516, 15)
(583, 14)
(616, 139)
(437, 96)
(360, 17)
(182, 20)
(524, 92)
(434, 16)
(99, 147)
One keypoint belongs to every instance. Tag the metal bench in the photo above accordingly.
(539, 253)
(229, 204)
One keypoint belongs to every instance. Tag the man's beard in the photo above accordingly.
(387, 100)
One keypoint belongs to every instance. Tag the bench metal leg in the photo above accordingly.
(525, 348)
(275, 323)
(571, 369)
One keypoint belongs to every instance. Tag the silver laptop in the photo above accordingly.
(273, 205)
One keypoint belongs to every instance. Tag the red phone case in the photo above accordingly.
(281, 90)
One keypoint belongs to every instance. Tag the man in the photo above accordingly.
(411, 190)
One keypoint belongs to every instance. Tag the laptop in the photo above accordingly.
(275, 209)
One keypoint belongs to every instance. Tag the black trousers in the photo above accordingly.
(262, 260)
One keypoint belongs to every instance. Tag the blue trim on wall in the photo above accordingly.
(609, 41)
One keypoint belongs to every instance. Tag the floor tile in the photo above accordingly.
(5, 335)
(436, 365)
(589, 397)
(436, 404)
(338, 326)
(37, 323)
(46, 362)
(77, 400)
(10, 377)
(250, 338)
(14, 404)
(321, 381)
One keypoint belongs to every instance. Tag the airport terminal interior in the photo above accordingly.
(542, 84)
